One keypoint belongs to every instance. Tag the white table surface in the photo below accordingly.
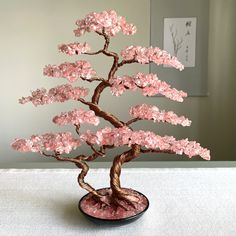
(183, 202)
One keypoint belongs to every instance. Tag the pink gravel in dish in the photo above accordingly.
(91, 207)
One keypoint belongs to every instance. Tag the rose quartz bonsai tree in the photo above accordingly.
(108, 24)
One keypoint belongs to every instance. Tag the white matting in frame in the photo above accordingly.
(180, 39)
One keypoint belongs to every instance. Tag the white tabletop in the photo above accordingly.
(189, 202)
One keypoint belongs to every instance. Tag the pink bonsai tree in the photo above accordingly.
(108, 24)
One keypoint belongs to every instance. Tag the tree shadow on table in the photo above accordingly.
(64, 208)
(73, 217)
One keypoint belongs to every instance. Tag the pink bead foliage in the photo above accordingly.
(59, 142)
(152, 54)
(76, 117)
(74, 48)
(70, 71)
(60, 93)
(148, 112)
(107, 21)
(107, 24)
(148, 83)
(125, 136)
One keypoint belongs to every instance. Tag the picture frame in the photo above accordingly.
(167, 13)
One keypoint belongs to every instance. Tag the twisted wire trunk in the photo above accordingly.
(119, 193)
(84, 170)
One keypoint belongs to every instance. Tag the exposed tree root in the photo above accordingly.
(125, 200)
(121, 202)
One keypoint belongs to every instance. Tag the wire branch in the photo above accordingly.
(132, 121)
(93, 53)
(77, 127)
(98, 90)
(92, 79)
(123, 62)
(105, 115)
(58, 157)
(107, 41)
(156, 151)
(101, 152)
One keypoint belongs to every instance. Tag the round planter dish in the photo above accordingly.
(117, 221)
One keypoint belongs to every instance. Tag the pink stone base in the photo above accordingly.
(91, 207)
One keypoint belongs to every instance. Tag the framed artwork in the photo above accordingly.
(180, 39)
(181, 28)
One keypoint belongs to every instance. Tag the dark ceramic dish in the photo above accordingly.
(114, 222)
